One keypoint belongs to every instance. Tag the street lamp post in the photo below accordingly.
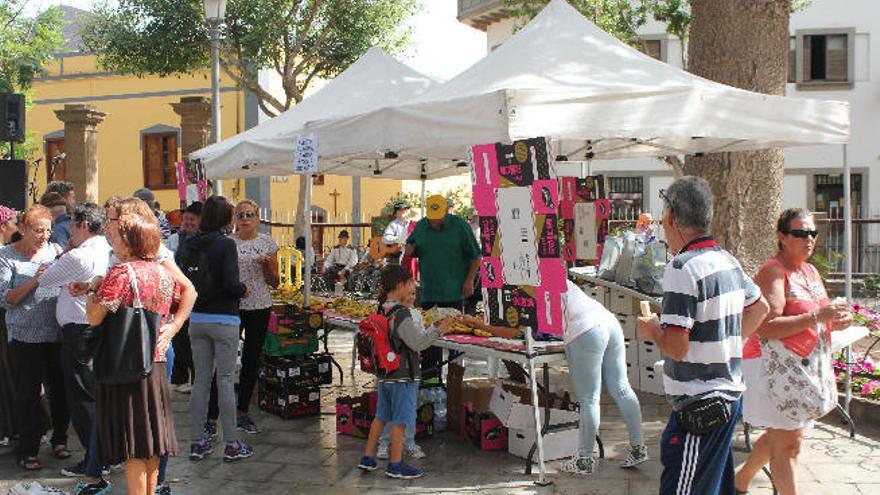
(215, 13)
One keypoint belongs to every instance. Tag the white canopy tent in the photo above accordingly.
(373, 81)
(563, 77)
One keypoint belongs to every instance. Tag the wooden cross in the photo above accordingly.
(335, 195)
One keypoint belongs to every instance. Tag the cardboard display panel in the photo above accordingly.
(517, 198)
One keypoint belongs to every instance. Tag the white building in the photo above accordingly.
(831, 45)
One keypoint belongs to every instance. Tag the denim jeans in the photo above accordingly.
(593, 356)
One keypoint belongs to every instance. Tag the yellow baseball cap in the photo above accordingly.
(436, 207)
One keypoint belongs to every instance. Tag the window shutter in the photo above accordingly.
(807, 58)
(792, 60)
(160, 155)
(836, 63)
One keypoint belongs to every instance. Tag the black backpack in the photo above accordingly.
(193, 262)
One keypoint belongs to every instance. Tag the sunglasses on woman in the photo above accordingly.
(245, 214)
(803, 234)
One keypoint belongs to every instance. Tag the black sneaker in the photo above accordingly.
(77, 470)
(247, 425)
(198, 450)
(163, 489)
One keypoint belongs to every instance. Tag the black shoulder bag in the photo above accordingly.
(127, 342)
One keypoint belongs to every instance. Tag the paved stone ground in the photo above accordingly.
(306, 456)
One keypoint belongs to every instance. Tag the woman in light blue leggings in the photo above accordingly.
(595, 352)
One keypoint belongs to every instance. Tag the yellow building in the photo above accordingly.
(139, 140)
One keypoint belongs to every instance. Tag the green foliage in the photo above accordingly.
(27, 44)
(299, 39)
(825, 264)
(872, 282)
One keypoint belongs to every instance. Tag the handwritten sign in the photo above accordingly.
(306, 159)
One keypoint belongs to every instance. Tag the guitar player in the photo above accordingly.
(394, 237)
(339, 263)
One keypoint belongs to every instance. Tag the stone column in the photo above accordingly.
(195, 123)
(81, 146)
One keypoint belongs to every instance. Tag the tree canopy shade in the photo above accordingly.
(27, 44)
(300, 40)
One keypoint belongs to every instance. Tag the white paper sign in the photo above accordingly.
(306, 160)
(516, 226)
(585, 235)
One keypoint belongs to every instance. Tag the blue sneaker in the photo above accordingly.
(368, 463)
(198, 450)
(210, 430)
(403, 471)
(247, 425)
(237, 450)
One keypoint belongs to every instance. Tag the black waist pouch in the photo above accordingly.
(705, 415)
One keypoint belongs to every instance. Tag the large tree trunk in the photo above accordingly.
(742, 43)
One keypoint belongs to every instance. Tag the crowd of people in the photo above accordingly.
(67, 268)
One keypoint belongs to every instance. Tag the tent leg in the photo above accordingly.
(847, 264)
(424, 198)
(307, 291)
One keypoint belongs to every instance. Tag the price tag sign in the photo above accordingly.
(306, 160)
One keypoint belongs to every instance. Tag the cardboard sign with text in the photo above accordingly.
(517, 197)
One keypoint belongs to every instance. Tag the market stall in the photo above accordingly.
(592, 96)
(563, 78)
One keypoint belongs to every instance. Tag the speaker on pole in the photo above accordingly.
(12, 125)
(13, 184)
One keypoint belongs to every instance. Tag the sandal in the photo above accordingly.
(60, 451)
(29, 464)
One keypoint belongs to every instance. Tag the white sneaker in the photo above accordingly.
(637, 455)
(382, 451)
(414, 451)
(184, 388)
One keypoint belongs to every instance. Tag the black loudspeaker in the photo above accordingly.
(12, 127)
(13, 184)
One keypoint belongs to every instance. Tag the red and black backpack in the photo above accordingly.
(377, 350)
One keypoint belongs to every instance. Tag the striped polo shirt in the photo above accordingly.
(704, 293)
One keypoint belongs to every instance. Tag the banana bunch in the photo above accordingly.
(351, 308)
(295, 297)
(464, 328)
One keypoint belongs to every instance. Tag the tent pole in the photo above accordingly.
(847, 264)
(424, 199)
(307, 292)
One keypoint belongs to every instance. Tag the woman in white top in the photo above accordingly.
(595, 351)
(258, 269)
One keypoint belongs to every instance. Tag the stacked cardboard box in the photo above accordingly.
(354, 415)
(290, 372)
(512, 405)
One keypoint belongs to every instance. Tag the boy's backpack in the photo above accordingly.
(377, 350)
(193, 262)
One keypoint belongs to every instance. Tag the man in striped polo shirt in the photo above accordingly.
(709, 307)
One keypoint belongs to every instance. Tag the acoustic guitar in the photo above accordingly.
(379, 249)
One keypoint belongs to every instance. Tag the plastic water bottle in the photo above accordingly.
(337, 289)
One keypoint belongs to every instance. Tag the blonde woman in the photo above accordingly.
(258, 270)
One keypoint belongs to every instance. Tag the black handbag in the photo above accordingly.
(127, 342)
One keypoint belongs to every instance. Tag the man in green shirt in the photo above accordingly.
(448, 254)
